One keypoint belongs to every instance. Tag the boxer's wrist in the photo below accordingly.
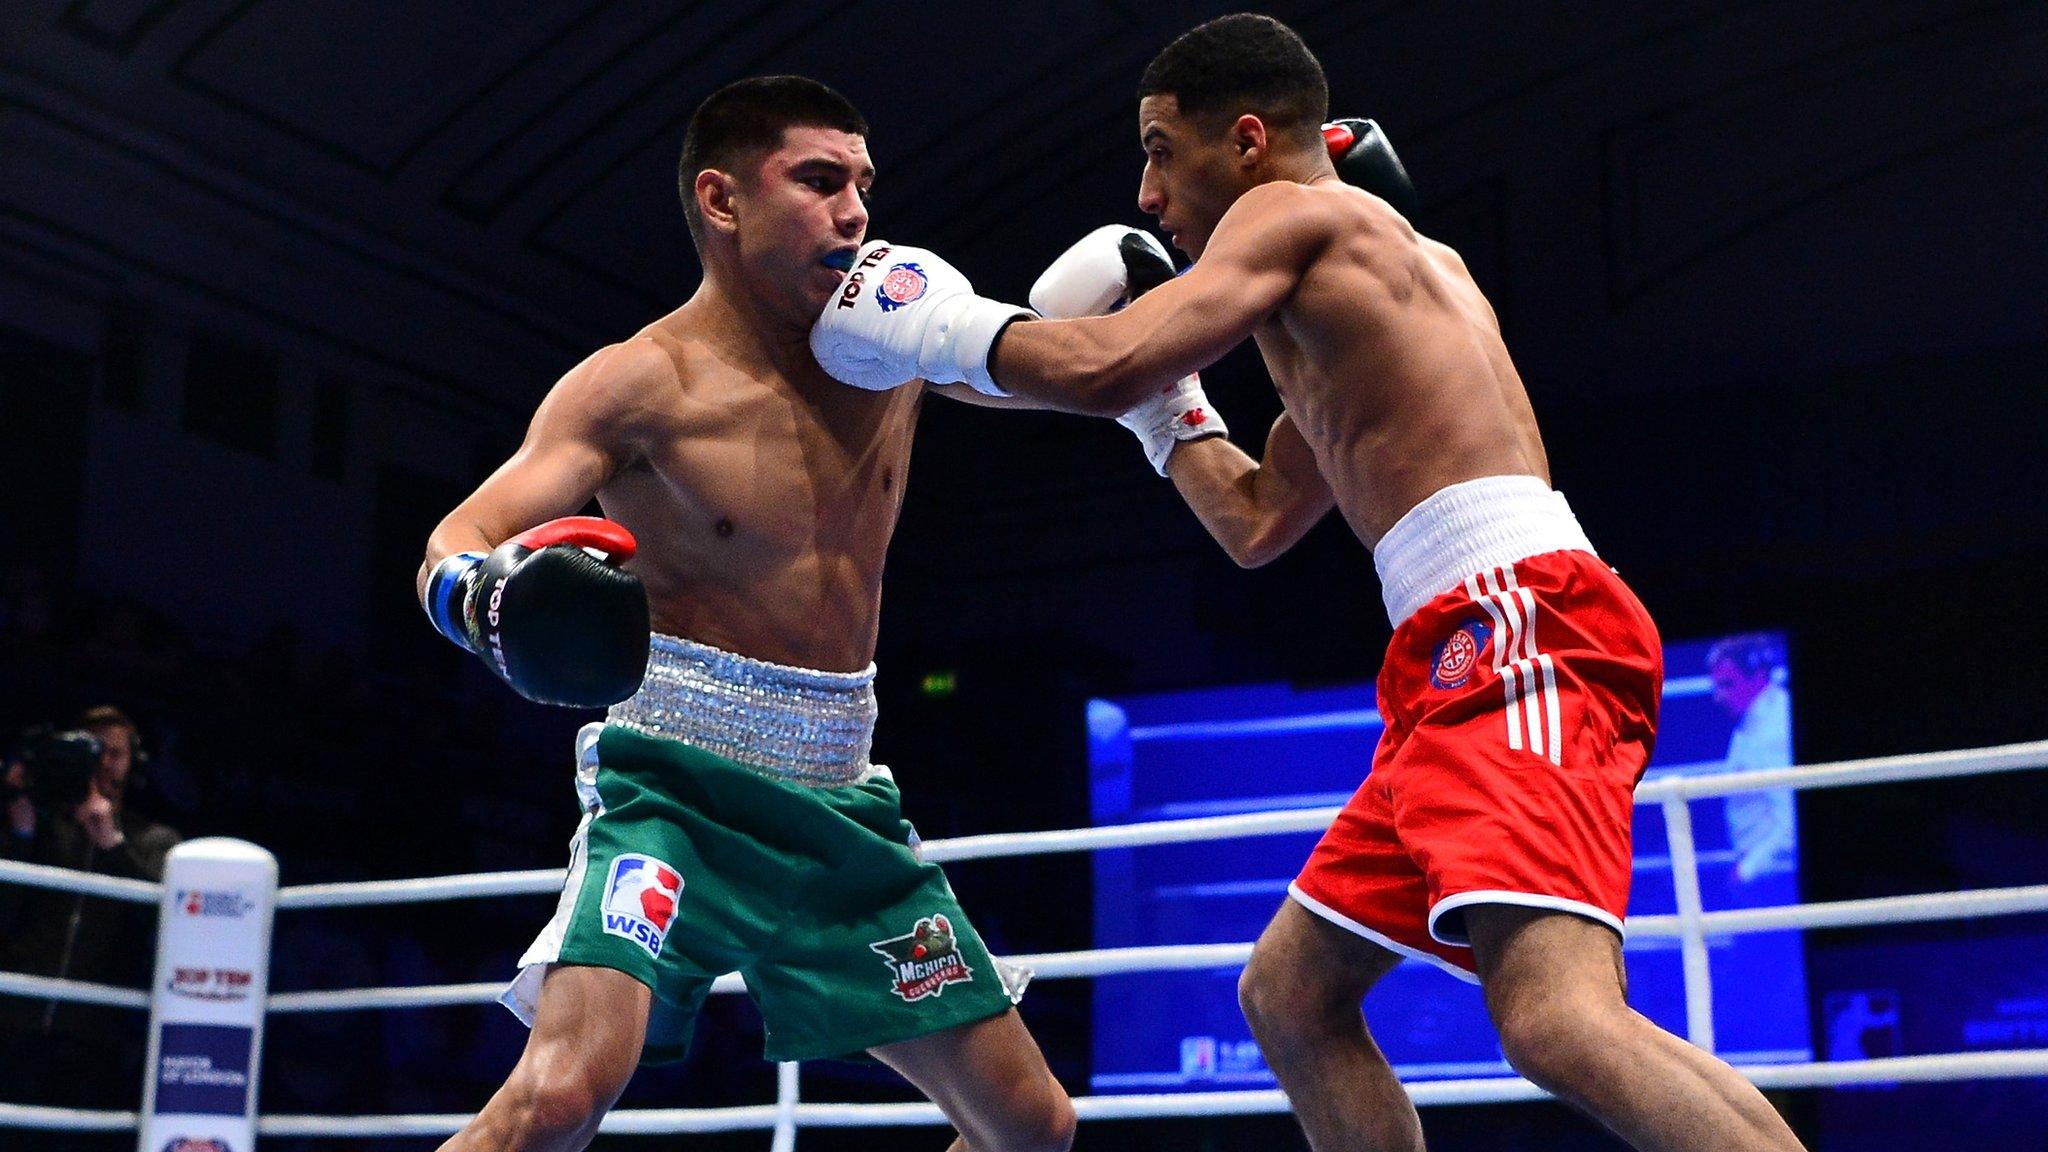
(1178, 414)
(447, 586)
(957, 344)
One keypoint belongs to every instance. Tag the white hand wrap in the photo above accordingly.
(904, 314)
(1179, 413)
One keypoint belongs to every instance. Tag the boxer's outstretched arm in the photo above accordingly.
(586, 429)
(1256, 509)
(1106, 365)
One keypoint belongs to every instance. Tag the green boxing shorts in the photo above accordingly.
(689, 864)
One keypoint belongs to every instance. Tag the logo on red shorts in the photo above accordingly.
(640, 899)
(925, 959)
(902, 284)
(1458, 655)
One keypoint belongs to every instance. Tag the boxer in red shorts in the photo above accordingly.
(1520, 708)
(1521, 688)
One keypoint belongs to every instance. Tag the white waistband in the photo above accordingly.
(1469, 527)
(793, 723)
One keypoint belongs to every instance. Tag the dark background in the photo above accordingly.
(279, 282)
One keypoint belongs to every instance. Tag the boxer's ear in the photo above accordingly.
(1248, 136)
(717, 194)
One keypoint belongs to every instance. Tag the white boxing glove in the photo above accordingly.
(1179, 413)
(904, 314)
(1103, 271)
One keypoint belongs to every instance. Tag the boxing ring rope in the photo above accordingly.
(1691, 925)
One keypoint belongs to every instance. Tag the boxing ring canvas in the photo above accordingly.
(1263, 748)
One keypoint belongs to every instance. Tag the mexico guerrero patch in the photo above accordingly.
(925, 959)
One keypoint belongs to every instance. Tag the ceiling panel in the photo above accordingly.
(930, 110)
(368, 81)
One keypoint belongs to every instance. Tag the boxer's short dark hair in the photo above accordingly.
(749, 116)
(1232, 65)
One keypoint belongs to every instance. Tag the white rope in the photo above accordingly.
(70, 991)
(425, 996)
(1130, 835)
(90, 883)
(1841, 773)
(1151, 958)
(1965, 905)
(2015, 1064)
(2003, 1065)
(628, 1122)
(474, 885)
(66, 1119)
(1882, 910)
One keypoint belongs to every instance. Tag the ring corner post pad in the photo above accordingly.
(207, 998)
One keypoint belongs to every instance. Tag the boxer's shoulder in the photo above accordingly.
(1288, 221)
(619, 396)
(617, 376)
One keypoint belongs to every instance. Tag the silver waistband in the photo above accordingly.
(792, 723)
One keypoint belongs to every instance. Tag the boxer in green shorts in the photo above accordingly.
(801, 876)
(732, 821)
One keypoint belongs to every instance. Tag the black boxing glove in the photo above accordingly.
(1365, 159)
(557, 623)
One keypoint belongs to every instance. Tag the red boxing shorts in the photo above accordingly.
(1519, 698)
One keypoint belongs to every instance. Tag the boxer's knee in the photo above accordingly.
(557, 1102)
(1559, 1043)
(1049, 1127)
(1282, 996)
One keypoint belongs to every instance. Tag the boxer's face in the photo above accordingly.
(1193, 173)
(798, 206)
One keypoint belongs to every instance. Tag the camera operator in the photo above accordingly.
(65, 797)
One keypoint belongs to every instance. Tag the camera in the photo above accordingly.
(59, 764)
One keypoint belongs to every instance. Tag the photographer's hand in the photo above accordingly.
(95, 814)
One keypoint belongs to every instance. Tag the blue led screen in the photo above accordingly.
(1256, 748)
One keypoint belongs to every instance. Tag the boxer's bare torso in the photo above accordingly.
(763, 493)
(763, 504)
(1390, 361)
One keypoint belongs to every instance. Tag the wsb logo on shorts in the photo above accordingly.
(925, 959)
(640, 899)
